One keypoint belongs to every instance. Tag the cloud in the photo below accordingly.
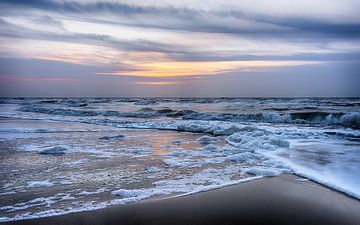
(12, 30)
(223, 56)
(49, 21)
(155, 44)
(178, 52)
(233, 21)
(39, 68)
(175, 69)
(157, 82)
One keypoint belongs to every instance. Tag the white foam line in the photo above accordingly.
(102, 205)
(215, 187)
(303, 172)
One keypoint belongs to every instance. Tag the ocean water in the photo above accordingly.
(62, 155)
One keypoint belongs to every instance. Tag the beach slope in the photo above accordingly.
(286, 199)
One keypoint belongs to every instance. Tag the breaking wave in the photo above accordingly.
(350, 119)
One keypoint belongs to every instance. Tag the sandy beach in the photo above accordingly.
(286, 199)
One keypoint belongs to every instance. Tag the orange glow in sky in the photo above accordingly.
(178, 68)
(157, 82)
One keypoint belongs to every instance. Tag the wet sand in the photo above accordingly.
(279, 200)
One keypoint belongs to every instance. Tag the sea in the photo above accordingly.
(63, 155)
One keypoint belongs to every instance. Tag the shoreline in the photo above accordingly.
(286, 199)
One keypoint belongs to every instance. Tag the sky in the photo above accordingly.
(180, 48)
